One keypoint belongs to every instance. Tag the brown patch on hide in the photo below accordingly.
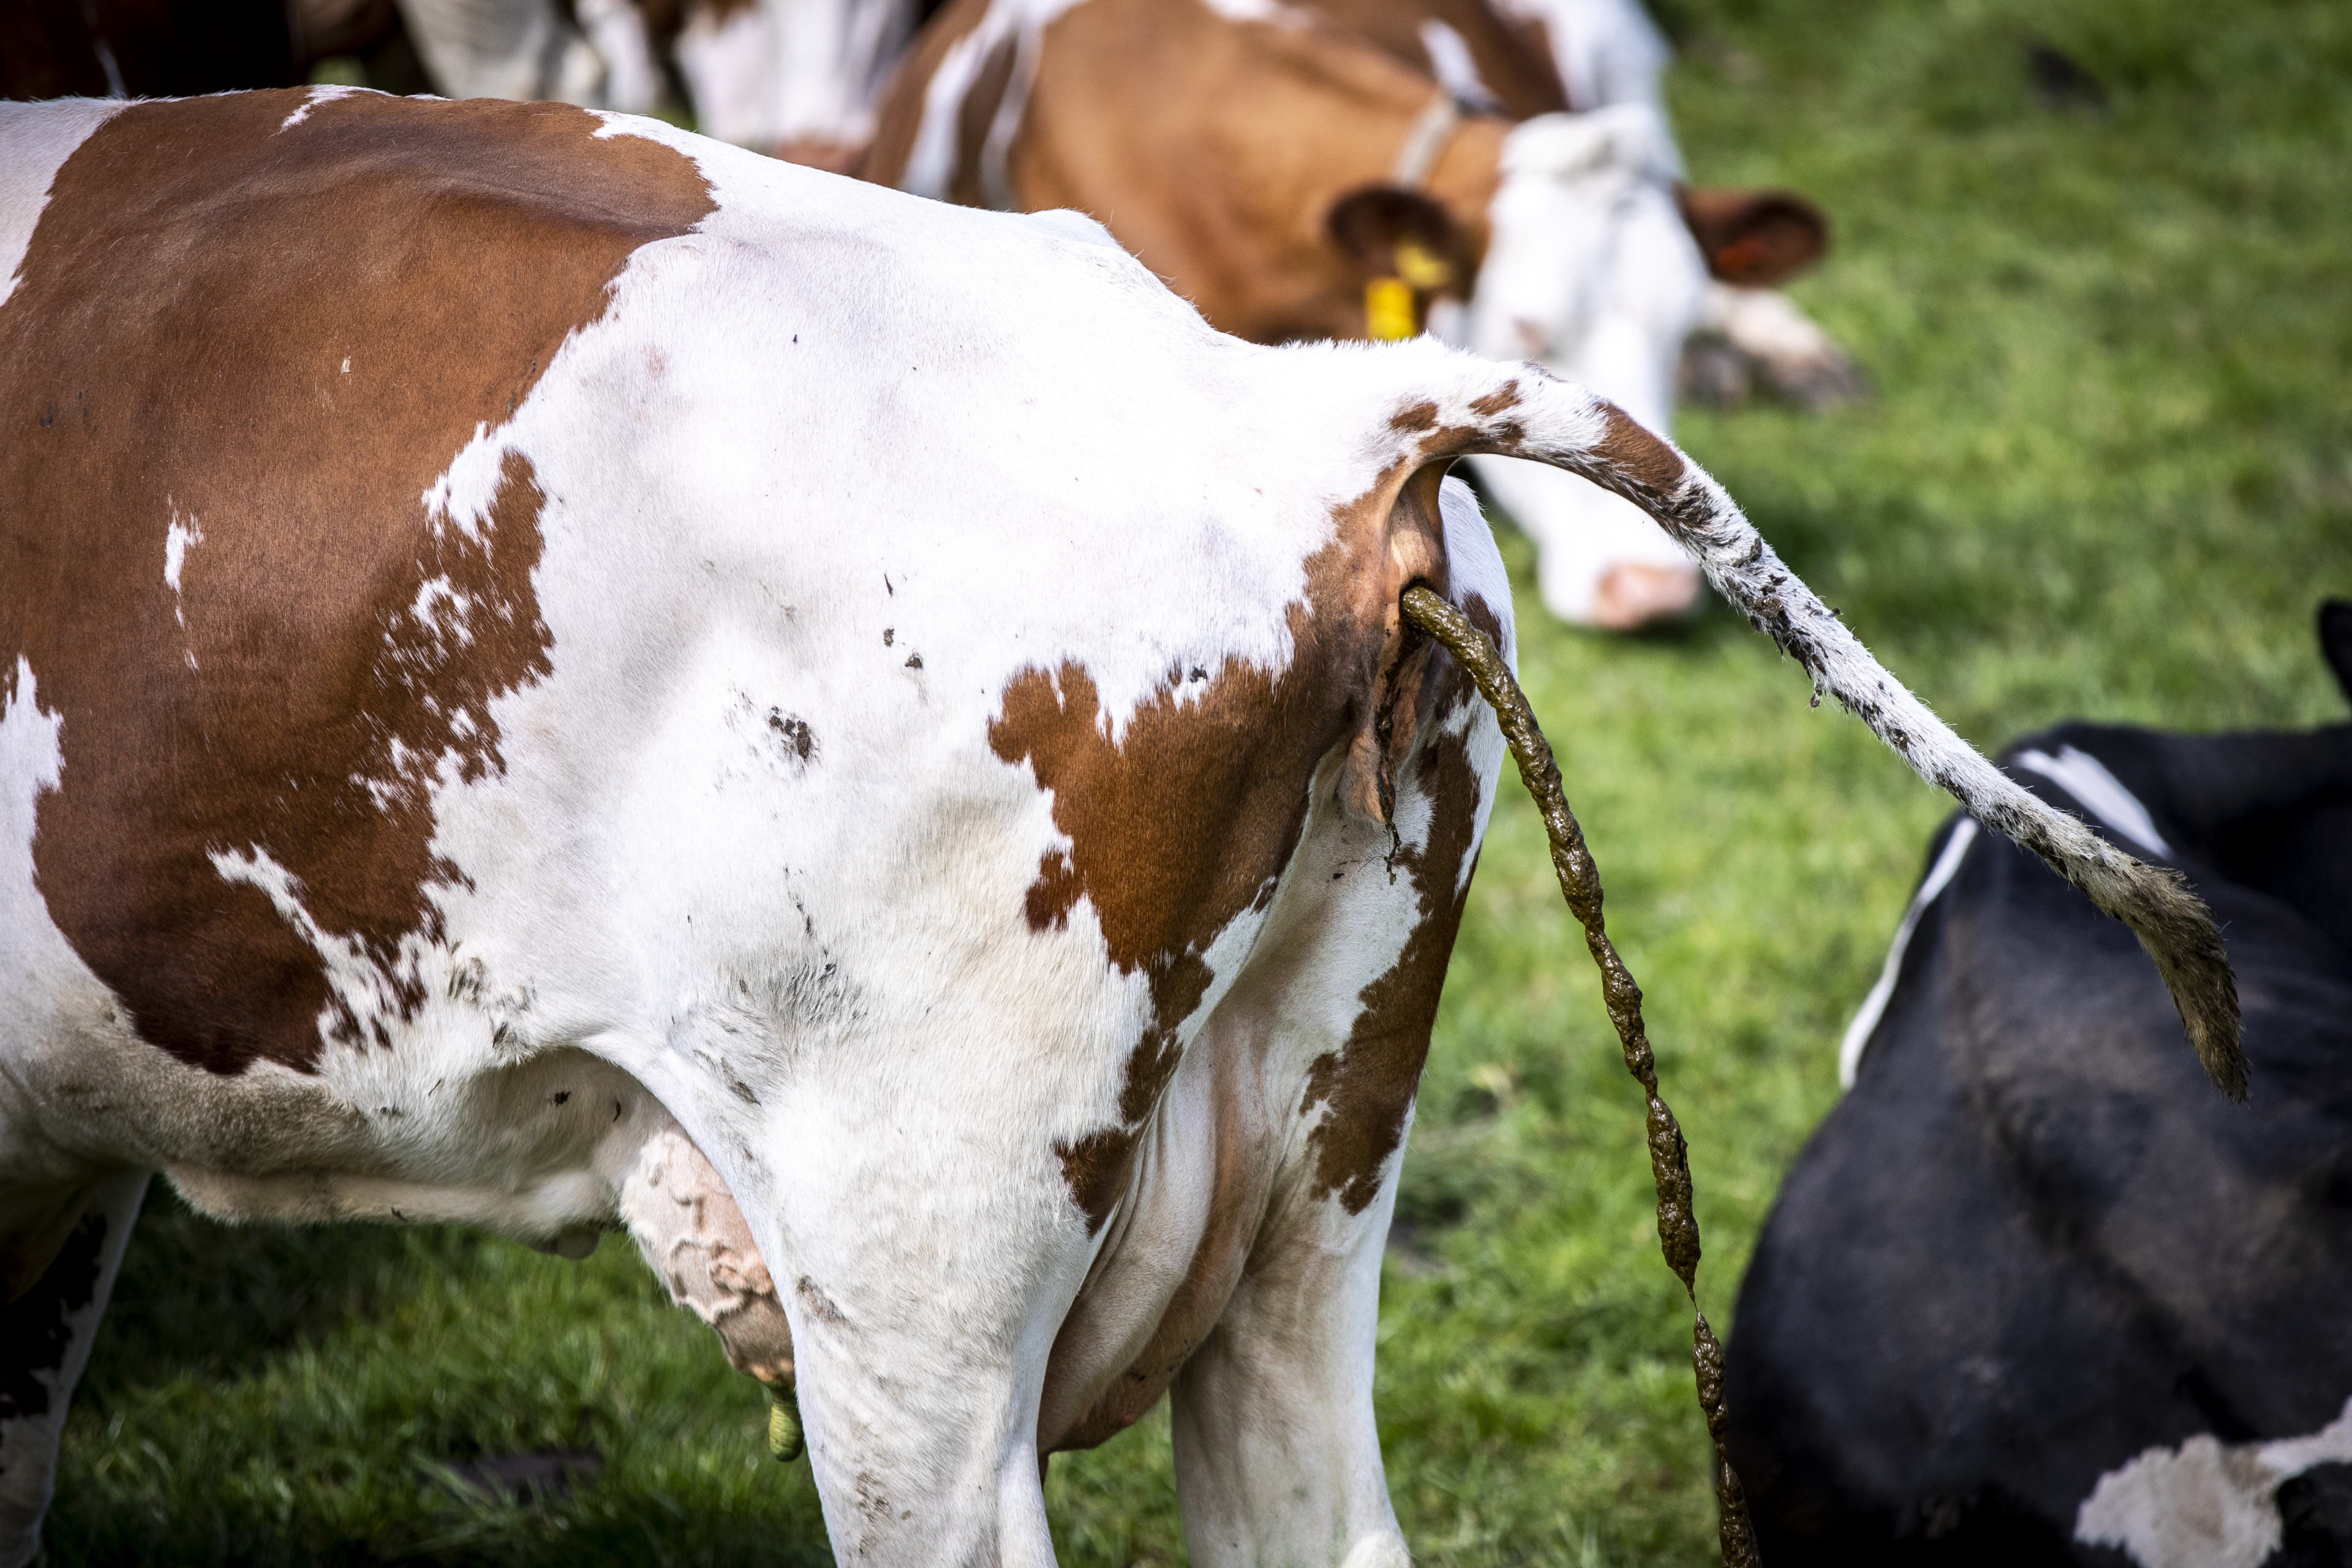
(272, 343)
(1364, 1119)
(1370, 1081)
(1175, 829)
(1639, 457)
(1503, 396)
(1185, 820)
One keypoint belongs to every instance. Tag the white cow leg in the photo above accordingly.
(921, 1433)
(44, 1339)
(1278, 1457)
(926, 1274)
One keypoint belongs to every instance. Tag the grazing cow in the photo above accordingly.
(2031, 1294)
(563, 675)
(1331, 189)
(1602, 54)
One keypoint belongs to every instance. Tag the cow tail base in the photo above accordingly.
(1549, 421)
(1579, 882)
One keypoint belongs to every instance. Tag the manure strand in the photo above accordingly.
(1580, 881)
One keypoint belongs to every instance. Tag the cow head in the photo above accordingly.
(1592, 273)
(1591, 270)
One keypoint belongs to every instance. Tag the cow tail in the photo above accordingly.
(1526, 413)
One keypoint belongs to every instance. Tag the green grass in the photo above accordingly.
(2108, 472)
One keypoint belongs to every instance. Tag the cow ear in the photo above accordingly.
(1754, 238)
(2336, 641)
(1406, 249)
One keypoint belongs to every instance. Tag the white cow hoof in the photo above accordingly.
(1631, 596)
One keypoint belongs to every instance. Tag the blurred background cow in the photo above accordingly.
(2032, 1293)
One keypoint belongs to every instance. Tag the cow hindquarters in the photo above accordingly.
(44, 1339)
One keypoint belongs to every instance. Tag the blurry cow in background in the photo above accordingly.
(591, 52)
(2031, 1290)
(793, 78)
(1299, 175)
(1597, 301)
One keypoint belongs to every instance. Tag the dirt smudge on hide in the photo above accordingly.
(297, 333)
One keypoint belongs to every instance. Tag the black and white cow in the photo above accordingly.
(2033, 1293)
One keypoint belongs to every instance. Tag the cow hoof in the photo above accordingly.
(1633, 596)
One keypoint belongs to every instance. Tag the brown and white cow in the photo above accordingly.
(1523, 58)
(1298, 177)
(563, 675)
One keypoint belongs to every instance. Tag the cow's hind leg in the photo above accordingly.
(1278, 1457)
(928, 1268)
(45, 1338)
(1278, 1454)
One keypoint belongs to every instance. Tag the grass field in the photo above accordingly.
(2108, 472)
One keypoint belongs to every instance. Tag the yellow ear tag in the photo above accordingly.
(1422, 268)
(1388, 314)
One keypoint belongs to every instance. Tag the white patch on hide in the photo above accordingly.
(2205, 1504)
(39, 138)
(178, 536)
(312, 100)
(1856, 1039)
(2087, 779)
